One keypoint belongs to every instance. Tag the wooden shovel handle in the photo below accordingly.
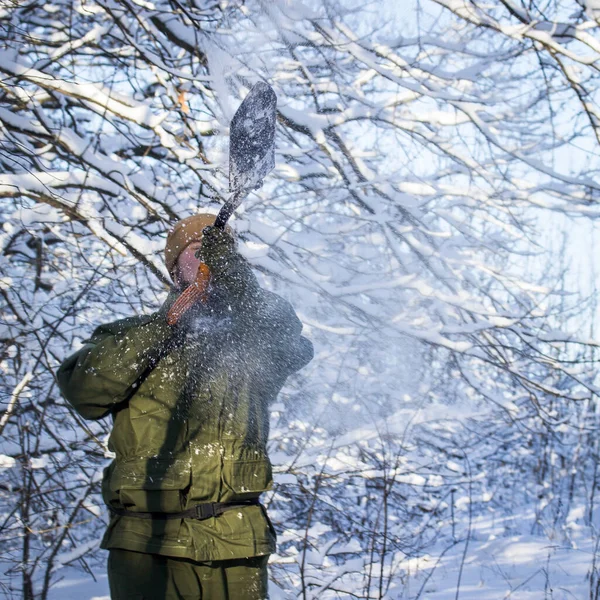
(194, 292)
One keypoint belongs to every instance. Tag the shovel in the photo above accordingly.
(251, 159)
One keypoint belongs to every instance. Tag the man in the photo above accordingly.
(189, 404)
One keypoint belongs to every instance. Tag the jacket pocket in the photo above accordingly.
(248, 476)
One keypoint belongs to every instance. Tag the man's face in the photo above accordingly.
(187, 264)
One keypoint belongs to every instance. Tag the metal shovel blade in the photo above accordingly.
(252, 139)
(251, 146)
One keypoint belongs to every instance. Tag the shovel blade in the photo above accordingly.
(252, 139)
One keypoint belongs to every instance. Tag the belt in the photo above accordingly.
(199, 511)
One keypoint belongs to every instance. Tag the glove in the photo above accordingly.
(231, 275)
(218, 249)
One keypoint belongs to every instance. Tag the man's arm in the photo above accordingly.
(280, 330)
(267, 317)
(103, 372)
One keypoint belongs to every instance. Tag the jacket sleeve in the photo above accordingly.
(104, 371)
(268, 318)
(278, 330)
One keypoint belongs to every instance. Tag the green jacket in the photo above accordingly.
(191, 426)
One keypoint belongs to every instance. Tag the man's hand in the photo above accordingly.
(217, 248)
(231, 275)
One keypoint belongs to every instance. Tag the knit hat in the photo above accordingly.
(183, 233)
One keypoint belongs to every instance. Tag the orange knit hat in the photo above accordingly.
(183, 233)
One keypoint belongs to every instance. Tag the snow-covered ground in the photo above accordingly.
(495, 566)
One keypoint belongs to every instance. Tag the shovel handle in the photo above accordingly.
(224, 214)
(194, 292)
(229, 207)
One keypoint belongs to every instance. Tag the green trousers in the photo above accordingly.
(140, 576)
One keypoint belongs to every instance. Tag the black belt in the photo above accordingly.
(200, 511)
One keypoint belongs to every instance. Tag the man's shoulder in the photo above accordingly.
(122, 326)
(275, 309)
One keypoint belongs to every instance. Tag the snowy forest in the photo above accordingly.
(430, 217)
